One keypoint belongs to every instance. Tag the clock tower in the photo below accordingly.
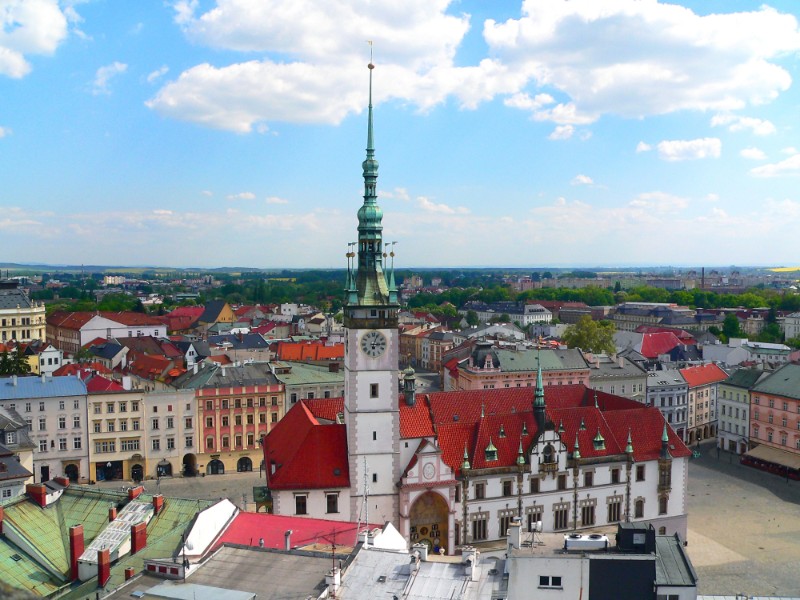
(371, 382)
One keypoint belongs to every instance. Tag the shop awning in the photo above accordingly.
(775, 456)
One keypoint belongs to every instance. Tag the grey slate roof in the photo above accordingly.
(10, 299)
(673, 567)
(10, 467)
(255, 373)
(744, 378)
(35, 387)
(246, 341)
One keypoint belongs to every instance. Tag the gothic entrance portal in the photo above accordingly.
(428, 520)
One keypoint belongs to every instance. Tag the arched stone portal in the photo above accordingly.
(189, 465)
(215, 467)
(428, 520)
(244, 465)
(137, 473)
(72, 472)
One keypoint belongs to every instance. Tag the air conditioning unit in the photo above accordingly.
(584, 542)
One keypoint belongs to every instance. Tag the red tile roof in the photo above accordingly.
(703, 374)
(248, 528)
(82, 368)
(97, 384)
(325, 408)
(415, 421)
(684, 336)
(309, 351)
(294, 446)
(655, 344)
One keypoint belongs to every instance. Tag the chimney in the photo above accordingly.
(333, 367)
(126, 382)
(138, 537)
(103, 567)
(333, 579)
(75, 549)
(129, 571)
(14, 380)
(44, 378)
(194, 369)
(287, 540)
(515, 534)
(37, 493)
(112, 513)
(2, 517)
(61, 480)
(134, 492)
(158, 503)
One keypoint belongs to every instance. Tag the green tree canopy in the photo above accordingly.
(592, 336)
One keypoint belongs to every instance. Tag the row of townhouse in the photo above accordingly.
(94, 436)
(760, 417)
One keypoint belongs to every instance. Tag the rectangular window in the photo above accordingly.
(535, 485)
(273, 401)
(238, 419)
(225, 441)
(62, 422)
(587, 514)
(480, 491)
(373, 390)
(42, 424)
(129, 445)
(507, 491)
(225, 404)
(225, 421)
(479, 529)
(293, 398)
(614, 511)
(170, 422)
(109, 407)
(209, 421)
(170, 443)
(238, 440)
(237, 403)
(251, 439)
(62, 443)
(187, 422)
(274, 417)
(77, 443)
(41, 406)
(189, 440)
(76, 404)
(262, 401)
(588, 479)
(562, 482)
(250, 419)
(156, 444)
(96, 426)
(614, 475)
(42, 445)
(561, 517)
(548, 581)
(123, 407)
(639, 472)
(209, 405)
(61, 405)
(154, 423)
(300, 505)
(262, 418)
(135, 406)
(110, 426)
(76, 422)
(332, 503)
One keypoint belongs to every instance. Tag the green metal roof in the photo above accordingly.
(783, 382)
(743, 378)
(47, 531)
(528, 360)
(303, 374)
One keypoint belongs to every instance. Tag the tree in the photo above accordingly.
(591, 336)
(14, 363)
(730, 327)
(472, 318)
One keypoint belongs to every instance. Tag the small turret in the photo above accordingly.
(465, 466)
(520, 455)
(576, 451)
(629, 447)
(665, 443)
(539, 407)
(410, 386)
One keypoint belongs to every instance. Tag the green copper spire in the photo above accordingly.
(599, 441)
(629, 447)
(490, 454)
(539, 398)
(576, 452)
(369, 285)
(665, 436)
(465, 464)
(520, 454)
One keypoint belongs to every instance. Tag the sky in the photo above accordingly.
(536, 133)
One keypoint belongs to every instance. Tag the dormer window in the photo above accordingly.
(490, 454)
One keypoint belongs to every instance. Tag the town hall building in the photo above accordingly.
(453, 468)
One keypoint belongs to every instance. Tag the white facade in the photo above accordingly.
(373, 422)
(668, 391)
(50, 359)
(101, 327)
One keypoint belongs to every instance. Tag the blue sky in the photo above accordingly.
(518, 134)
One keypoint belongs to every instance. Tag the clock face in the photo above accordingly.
(373, 344)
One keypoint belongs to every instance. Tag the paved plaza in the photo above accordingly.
(744, 524)
(744, 527)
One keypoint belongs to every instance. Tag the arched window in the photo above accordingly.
(639, 509)
(548, 455)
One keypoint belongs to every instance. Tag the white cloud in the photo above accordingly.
(397, 193)
(157, 74)
(753, 154)
(737, 123)
(643, 58)
(429, 206)
(790, 166)
(674, 150)
(561, 132)
(33, 27)
(582, 180)
(241, 196)
(790, 150)
(104, 75)
(712, 197)
(276, 200)
(4, 131)
(628, 58)
(643, 147)
(208, 193)
(658, 202)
